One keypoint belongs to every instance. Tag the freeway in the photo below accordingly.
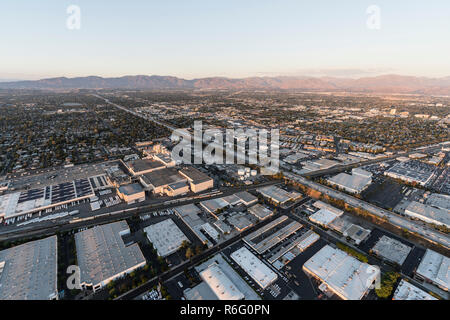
(396, 220)
(62, 225)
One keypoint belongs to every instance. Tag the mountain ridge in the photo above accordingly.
(390, 83)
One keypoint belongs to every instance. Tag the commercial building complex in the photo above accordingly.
(412, 172)
(131, 193)
(354, 183)
(391, 250)
(143, 166)
(220, 284)
(407, 291)
(34, 200)
(434, 268)
(254, 267)
(103, 256)
(165, 236)
(342, 274)
(428, 213)
(278, 195)
(28, 271)
(198, 181)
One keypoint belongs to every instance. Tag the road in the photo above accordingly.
(62, 225)
(396, 220)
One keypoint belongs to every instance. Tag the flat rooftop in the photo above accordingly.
(240, 222)
(131, 189)
(246, 197)
(254, 267)
(435, 215)
(142, 165)
(407, 291)
(260, 211)
(392, 250)
(323, 217)
(435, 267)
(355, 182)
(201, 291)
(102, 254)
(163, 177)
(165, 236)
(278, 194)
(220, 284)
(28, 271)
(345, 275)
(195, 175)
(214, 204)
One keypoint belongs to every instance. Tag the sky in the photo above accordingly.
(202, 38)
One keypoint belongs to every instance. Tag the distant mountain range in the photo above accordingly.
(378, 84)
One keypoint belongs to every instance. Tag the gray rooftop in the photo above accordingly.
(28, 271)
(102, 254)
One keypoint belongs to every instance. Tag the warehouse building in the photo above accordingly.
(324, 216)
(165, 236)
(143, 166)
(239, 222)
(158, 181)
(103, 256)
(29, 201)
(407, 291)
(428, 213)
(342, 274)
(190, 214)
(412, 172)
(278, 195)
(254, 267)
(434, 268)
(391, 250)
(202, 291)
(198, 180)
(220, 284)
(246, 198)
(29, 271)
(131, 193)
(260, 211)
(354, 183)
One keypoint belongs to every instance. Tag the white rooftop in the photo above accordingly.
(407, 291)
(391, 249)
(323, 217)
(254, 267)
(165, 236)
(346, 276)
(435, 267)
(220, 284)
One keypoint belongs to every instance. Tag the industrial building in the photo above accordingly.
(198, 180)
(301, 242)
(103, 256)
(165, 236)
(239, 222)
(190, 214)
(354, 183)
(272, 234)
(278, 195)
(246, 198)
(391, 250)
(131, 193)
(407, 291)
(213, 205)
(254, 267)
(159, 180)
(143, 166)
(260, 211)
(434, 268)
(202, 291)
(342, 274)
(428, 213)
(34, 200)
(29, 271)
(165, 159)
(220, 284)
(325, 216)
(412, 172)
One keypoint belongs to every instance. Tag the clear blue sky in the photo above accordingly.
(198, 38)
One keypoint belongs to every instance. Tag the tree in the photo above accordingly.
(189, 253)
